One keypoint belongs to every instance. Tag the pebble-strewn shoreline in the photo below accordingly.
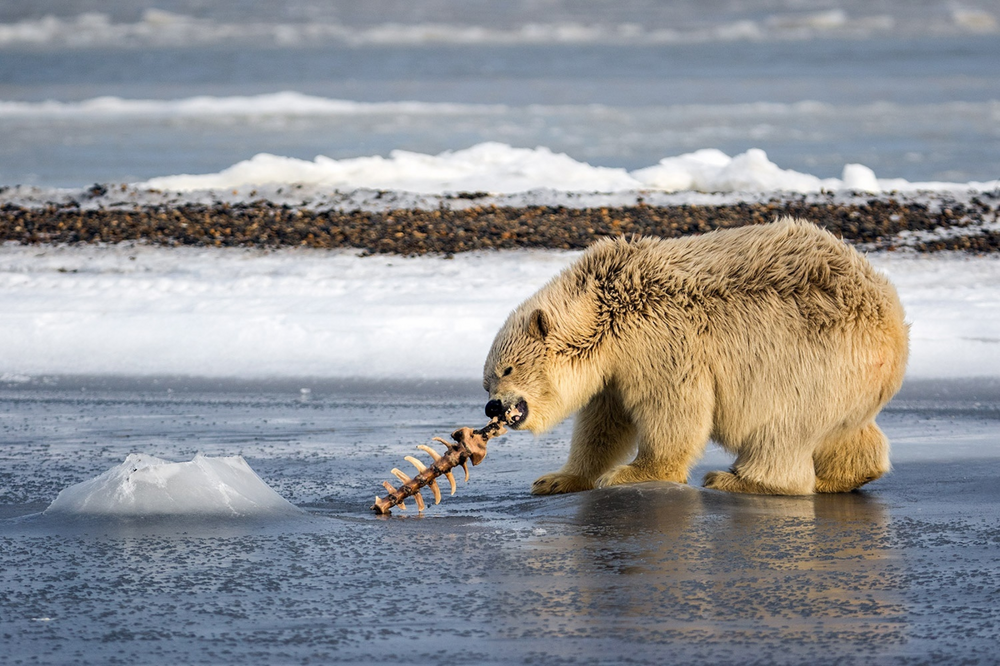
(882, 223)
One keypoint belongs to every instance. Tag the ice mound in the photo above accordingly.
(144, 485)
(500, 169)
(711, 170)
(489, 166)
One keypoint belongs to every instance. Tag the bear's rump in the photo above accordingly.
(784, 378)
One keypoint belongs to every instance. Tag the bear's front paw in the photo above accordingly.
(557, 482)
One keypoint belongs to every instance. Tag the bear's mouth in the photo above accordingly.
(517, 414)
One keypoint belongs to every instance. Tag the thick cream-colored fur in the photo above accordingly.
(778, 341)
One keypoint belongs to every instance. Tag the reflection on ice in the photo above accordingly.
(144, 485)
(697, 560)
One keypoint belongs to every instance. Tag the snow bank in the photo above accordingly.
(501, 169)
(328, 314)
(146, 486)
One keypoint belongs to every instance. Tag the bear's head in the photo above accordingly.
(540, 362)
(517, 368)
(547, 359)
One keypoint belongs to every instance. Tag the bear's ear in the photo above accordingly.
(539, 324)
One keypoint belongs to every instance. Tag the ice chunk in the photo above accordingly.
(144, 485)
(711, 170)
(684, 172)
(859, 178)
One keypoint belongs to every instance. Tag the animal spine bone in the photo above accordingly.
(469, 445)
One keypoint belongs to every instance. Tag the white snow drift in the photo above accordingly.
(497, 168)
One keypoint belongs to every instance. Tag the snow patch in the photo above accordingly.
(142, 311)
(144, 485)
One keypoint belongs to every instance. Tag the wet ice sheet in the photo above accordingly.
(905, 571)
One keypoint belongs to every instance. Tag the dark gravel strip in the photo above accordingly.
(875, 224)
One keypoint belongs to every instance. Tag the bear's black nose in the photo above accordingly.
(494, 408)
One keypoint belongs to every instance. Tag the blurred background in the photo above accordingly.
(125, 90)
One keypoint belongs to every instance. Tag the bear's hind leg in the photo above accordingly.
(734, 482)
(768, 464)
(846, 462)
(603, 436)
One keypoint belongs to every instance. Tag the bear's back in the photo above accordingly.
(790, 262)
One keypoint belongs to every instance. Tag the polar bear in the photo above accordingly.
(778, 341)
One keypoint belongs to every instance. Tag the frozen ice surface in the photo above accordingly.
(903, 572)
(144, 486)
(139, 310)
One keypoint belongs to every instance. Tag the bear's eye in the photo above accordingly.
(507, 371)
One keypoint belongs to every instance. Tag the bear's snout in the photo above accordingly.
(495, 409)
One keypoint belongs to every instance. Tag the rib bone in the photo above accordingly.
(388, 486)
(431, 452)
(432, 483)
(416, 463)
(436, 490)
